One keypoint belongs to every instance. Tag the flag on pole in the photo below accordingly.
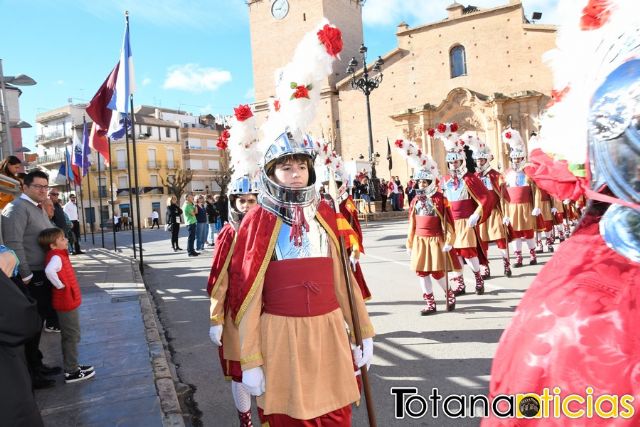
(76, 156)
(110, 105)
(389, 154)
(61, 179)
(86, 150)
(73, 177)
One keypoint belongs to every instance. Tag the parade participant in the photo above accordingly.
(243, 191)
(523, 207)
(575, 329)
(292, 303)
(494, 229)
(470, 203)
(329, 163)
(431, 234)
(544, 221)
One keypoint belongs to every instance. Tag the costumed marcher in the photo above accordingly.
(429, 243)
(243, 191)
(574, 333)
(470, 204)
(290, 299)
(544, 230)
(329, 163)
(494, 228)
(523, 208)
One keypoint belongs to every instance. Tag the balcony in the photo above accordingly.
(50, 159)
(51, 137)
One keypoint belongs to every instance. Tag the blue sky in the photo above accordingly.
(193, 55)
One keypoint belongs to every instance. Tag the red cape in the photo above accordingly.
(254, 247)
(221, 256)
(478, 193)
(554, 176)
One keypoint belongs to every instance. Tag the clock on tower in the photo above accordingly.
(279, 8)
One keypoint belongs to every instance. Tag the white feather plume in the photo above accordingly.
(417, 159)
(245, 156)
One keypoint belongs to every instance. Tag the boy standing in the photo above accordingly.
(65, 299)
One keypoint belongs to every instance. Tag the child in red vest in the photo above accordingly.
(65, 299)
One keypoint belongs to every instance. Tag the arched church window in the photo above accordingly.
(458, 61)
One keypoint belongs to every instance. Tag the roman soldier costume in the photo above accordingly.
(470, 204)
(291, 304)
(494, 229)
(575, 328)
(431, 233)
(241, 141)
(523, 208)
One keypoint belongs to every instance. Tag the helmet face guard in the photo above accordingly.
(240, 187)
(451, 157)
(285, 146)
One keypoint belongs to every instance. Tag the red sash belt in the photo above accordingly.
(463, 209)
(299, 287)
(520, 194)
(428, 226)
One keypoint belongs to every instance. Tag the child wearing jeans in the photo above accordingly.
(65, 300)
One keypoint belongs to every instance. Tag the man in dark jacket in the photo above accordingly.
(58, 212)
(19, 322)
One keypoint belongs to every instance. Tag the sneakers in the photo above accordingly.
(79, 375)
(431, 304)
(51, 329)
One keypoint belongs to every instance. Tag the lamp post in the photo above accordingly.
(19, 80)
(366, 84)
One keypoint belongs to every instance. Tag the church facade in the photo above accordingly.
(481, 68)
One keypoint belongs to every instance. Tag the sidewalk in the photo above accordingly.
(120, 339)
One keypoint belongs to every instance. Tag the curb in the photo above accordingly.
(162, 373)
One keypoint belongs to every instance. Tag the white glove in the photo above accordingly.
(253, 380)
(473, 220)
(554, 211)
(215, 333)
(363, 356)
(447, 247)
(536, 211)
(409, 251)
(566, 202)
(506, 220)
(354, 261)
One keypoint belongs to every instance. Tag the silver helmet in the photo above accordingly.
(241, 186)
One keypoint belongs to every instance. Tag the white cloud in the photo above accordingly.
(250, 93)
(420, 12)
(194, 78)
(59, 82)
(146, 81)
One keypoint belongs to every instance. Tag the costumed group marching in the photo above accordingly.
(287, 292)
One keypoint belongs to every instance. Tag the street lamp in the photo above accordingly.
(367, 84)
(19, 80)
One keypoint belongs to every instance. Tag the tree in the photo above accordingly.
(222, 176)
(176, 183)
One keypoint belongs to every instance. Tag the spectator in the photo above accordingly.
(71, 209)
(9, 167)
(400, 194)
(22, 221)
(212, 217)
(116, 222)
(356, 189)
(155, 217)
(189, 210)
(125, 221)
(173, 219)
(47, 206)
(19, 324)
(223, 209)
(65, 299)
(201, 223)
(383, 193)
(411, 191)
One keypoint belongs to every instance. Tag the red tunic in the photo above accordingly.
(576, 327)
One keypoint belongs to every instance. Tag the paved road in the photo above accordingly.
(448, 351)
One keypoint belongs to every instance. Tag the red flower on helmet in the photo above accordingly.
(431, 132)
(300, 91)
(442, 128)
(242, 112)
(595, 14)
(398, 143)
(507, 135)
(331, 38)
(453, 127)
(557, 96)
(276, 105)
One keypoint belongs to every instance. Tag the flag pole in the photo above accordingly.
(84, 224)
(135, 174)
(113, 206)
(92, 215)
(101, 223)
(130, 219)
